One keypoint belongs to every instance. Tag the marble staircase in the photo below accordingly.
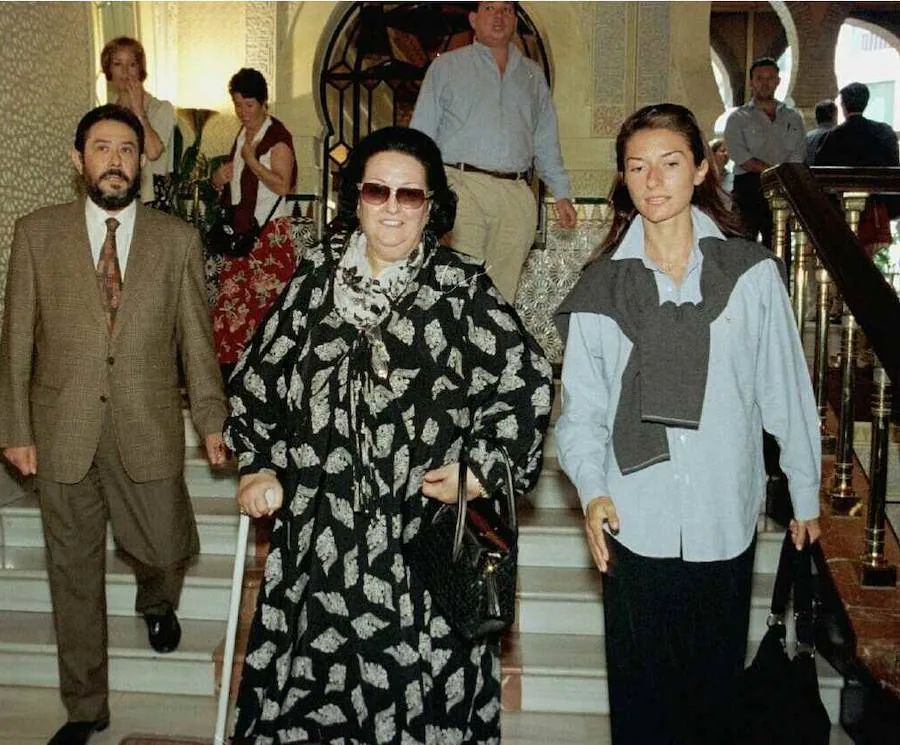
(553, 659)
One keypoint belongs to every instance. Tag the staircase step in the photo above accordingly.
(217, 523)
(203, 480)
(563, 673)
(569, 600)
(555, 538)
(540, 728)
(28, 655)
(553, 490)
(24, 585)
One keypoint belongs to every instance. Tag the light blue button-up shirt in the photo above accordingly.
(704, 502)
(500, 123)
(749, 133)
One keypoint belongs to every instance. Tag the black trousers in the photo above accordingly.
(752, 207)
(676, 638)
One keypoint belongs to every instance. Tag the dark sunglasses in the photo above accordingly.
(407, 196)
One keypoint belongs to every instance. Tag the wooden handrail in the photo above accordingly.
(871, 299)
(835, 179)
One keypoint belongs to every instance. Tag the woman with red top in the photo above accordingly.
(260, 171)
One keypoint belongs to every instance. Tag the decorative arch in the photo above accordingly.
(373, 59)
(793, 40)
(886, 69)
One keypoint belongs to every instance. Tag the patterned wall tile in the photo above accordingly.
(46, 69)
(652, 84)
(610, 62)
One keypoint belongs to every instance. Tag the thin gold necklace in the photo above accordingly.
(668, 266)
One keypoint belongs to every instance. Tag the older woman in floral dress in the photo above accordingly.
(386, 359)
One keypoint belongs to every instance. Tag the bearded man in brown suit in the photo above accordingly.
(102, 299)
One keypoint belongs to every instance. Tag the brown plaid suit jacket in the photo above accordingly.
(59, 364)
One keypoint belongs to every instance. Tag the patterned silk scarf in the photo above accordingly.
(364, 301)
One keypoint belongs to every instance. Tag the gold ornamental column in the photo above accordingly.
(802, 262)
(820, 357)
(844, 500)
(874, 570)
(780, 213)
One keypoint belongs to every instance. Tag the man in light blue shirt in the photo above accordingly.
(490, 111)
(763, 133)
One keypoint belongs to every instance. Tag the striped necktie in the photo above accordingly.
(109, 275)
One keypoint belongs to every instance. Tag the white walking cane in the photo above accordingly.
(234, 607)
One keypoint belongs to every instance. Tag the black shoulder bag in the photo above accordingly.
(780, 702)
(223, 240)
(465, 555)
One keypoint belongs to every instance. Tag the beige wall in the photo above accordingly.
(45, 88)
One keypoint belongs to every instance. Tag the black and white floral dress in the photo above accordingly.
(346, 647)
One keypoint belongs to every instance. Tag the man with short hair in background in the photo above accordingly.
(861, 142)
(104, 297)
(489, 109)
(826, 119)
(760, 134)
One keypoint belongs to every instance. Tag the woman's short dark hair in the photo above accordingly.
(117, 44)
(409, 142)
(249, 83)
(108, 112)
(708, 196)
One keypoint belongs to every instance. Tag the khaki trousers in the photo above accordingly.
(496, 220)
(153, 526)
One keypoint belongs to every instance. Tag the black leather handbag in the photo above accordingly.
(223, 240)
(465, 555)
(779, 696)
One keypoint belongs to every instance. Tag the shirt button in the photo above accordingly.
(111, 360)
(103, 399)
(683, 438)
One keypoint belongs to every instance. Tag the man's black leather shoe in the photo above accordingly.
(77, 733)
(163, 630)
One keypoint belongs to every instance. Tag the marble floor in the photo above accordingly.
(29, 716)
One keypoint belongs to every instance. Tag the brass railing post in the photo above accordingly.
(844, 500)
(820, 357)
(780, 212)
(874, 569)
(802, 260)
(854, 202)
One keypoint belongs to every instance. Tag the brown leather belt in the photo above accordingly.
(507, 175)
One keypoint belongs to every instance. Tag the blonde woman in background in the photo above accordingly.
(125, 66)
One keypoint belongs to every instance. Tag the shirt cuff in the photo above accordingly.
(805, 501)
(589, 490)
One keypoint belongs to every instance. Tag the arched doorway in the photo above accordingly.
(374, 64)
(868, 54)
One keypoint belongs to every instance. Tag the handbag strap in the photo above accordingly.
(794, 573)
(784, 580)
(271, 212)
(508, 505)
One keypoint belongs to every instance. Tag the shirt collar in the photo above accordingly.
(97, 216)
(486, 54)
(779, 105)
(632, 245)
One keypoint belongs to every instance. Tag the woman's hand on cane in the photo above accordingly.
(259, 494)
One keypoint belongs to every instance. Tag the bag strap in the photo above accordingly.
(461, 499)
(784, 580)
(271, 212)
(803, 607)
(794, 573)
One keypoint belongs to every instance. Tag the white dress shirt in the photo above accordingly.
(96, 218)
